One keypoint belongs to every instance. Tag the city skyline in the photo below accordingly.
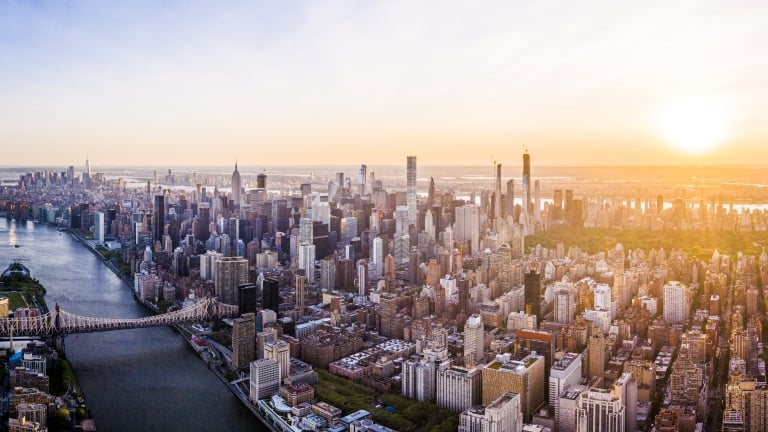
(305, 84)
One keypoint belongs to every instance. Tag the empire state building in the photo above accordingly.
(236, 187)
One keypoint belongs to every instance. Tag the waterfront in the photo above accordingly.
(144, 379)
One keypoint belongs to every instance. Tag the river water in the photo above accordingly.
(133, 380)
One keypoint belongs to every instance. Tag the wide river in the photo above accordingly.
(133, 380)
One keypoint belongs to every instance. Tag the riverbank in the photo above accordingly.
(211, 359)
(208, 355)
(22, 292)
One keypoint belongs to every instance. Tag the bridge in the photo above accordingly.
(62, 322)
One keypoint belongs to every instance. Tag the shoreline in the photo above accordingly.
(179, 328)
(71, 402)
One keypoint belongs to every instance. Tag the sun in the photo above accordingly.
(694, 125)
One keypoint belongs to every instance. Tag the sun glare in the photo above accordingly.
(694, 125)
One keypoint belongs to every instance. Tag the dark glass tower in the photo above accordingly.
(270, 295)
(533, 294)
(159, 217)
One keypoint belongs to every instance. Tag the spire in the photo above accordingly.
(235, 164)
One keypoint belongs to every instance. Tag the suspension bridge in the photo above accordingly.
(60, 322)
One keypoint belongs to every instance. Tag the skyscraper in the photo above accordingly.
(270, 294)
(362, 176)
(87, 172)
(243, 340)
(265, 379)
(596, 351)
(565, 306)
(503, 414)
(527, 204)
(158, 218)
(473, 340)
(526, 377)
(564, 373)
(280, 351)
(606, 410)
(261, 181)
(418, 380)
(307, 260)
(458, 388)
(231, 272)
(300, 284)
(675, 303)
(411, 189)
(497, 204)
(468, 226)
(533, 293)
(98, 227)
(510, 197)
(431, 193)
(236, 187)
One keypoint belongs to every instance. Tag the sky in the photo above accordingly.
(349, 82)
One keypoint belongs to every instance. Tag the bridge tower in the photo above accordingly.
(58, 335)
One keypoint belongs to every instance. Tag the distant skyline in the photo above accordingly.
(342, 83)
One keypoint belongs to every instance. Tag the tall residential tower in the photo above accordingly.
(411, 190)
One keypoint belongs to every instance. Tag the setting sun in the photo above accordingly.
(694, 125)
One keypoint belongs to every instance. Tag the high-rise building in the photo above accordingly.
(306, 230)
(468, 226)
(248, 298)
(564, 373)
(675, 303)
(98, 227)
(158, 218)
(265, 379)
(237, 187)
(565, 307)
(378, 257)
(596, 351)
(362, 177)
(418, 380)
(532, 284)
(527, 204)
(270, 294)
(300, 283)
(362, 278)
(261, 181)
(411, 190)
(537, 201)
(327, 273)
(307, 260)
(526, 376)
(231, 272)
(497, 204)
(458, 388)
(501, 415)
(474, 333)
(644, 373)
(243, 340)
(280, 351)
(431, 193)
(600, 410)
(510, 197)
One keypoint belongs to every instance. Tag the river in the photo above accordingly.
(133, 380)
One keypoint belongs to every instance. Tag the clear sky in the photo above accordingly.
(347, 82)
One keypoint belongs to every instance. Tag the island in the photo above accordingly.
(40, 385)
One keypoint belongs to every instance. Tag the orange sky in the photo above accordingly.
(372, 82)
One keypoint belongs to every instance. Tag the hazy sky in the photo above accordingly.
(282, 82)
